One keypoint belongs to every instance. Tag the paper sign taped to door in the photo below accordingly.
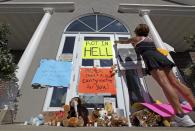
(53, 73)
(96, 81)
(97, 49)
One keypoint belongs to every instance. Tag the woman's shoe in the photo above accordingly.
(184, 121)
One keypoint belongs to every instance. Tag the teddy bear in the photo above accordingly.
(114, 120)
(117, 121)
(103, 116)
(65, 122)
(66, 110)
(73, 122)
(93, 116)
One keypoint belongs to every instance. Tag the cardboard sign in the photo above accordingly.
(97, 49)
(96, 81)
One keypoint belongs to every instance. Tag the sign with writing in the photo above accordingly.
(53, 73)
(97, 49)
(96, 81)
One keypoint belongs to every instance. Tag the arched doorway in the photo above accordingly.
(91, 30)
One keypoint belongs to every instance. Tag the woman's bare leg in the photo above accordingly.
(160, 76)
(183, 89)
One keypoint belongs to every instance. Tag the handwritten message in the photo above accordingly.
(53, 73)
(97, 49)
(96, 81)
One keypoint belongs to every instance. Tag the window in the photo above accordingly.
(87, 62)
(68, 45)
(58, 97)
(106, 63)
(103, 21)
(134, 86)
(94, 101)
(90, 21)
(96, 23)
(114, 27)
(78, 26)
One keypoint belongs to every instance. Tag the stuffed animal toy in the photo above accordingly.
(118, 121)
(73, 122)
(93, 116)
(53, 122)
(124, 121)
(101, 122)
(60, 116)
(48, 116)
(108, 107)
(66, 108)
(80, 122)
(103, 114)
(65, 122)
(108, 121)
(78, 110)
(115, 120)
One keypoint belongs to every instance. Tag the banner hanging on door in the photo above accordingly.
(97, 49)
(96, 81)
(53, 73)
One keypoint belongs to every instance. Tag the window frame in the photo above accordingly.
(46, 106)
(97, 30)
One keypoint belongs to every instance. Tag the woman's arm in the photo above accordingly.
(128, 41)
(122, 41)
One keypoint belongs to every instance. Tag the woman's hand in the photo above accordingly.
(116, 42)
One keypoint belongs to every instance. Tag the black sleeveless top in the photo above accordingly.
(153, 59)
(145, 45)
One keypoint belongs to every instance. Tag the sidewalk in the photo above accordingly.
(12, 127)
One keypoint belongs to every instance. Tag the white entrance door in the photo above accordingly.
(56, 97)
(70, 49)
(94, 100)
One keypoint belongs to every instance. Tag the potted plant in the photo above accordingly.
(8, 81)
(189, 71)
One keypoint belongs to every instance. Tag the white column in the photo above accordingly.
(32, 46)
(157, 40)
(156, 37)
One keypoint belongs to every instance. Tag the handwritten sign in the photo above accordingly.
(97, 49)
(53, 73)
(96, 81)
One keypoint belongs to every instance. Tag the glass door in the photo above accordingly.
(57, 96)
(95, 51)
(131, 74)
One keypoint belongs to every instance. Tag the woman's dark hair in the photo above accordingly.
(142, 30)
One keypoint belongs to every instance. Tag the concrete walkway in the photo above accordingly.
(11, 127)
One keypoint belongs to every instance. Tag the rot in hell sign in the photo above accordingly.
(96, 81)
(97, 49)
